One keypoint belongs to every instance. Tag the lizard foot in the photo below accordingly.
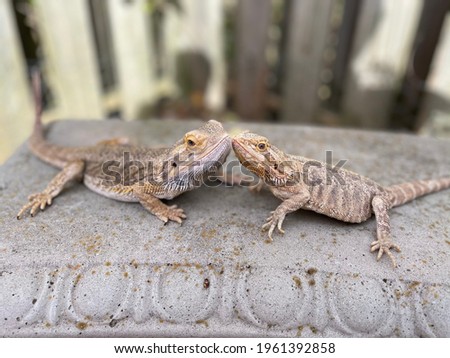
(383, 246)
(275, 220)
(36, 201)
(173, 213)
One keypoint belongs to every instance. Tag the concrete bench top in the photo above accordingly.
(92, 266)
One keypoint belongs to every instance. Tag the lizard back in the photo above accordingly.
(337, 192)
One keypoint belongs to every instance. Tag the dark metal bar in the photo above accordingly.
(346, 36)
(253, 20)
(407, 107)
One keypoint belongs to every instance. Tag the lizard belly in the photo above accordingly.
(116, 192)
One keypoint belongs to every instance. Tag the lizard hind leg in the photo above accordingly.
(71, 171)
(383, 244)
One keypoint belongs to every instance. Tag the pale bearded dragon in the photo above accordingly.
(308, 184)
(130, 173)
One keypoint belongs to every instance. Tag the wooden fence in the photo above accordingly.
(366, 63)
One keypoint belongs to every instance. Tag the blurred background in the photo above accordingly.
(376, 64)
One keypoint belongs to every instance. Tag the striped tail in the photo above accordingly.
(405, 192)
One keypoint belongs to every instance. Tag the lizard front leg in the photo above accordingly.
(275, 220)
(72, 171)
(380, 207)
(162, 211)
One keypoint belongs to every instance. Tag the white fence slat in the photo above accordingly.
(384, 38)
(202, 30)
(435, 112)
(16, 109)
(133, 48)
(309, 27)
(68, 43)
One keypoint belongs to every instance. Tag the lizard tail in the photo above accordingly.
(53, 154)
(405, 192)
(38, 132)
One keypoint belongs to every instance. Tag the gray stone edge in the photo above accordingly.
(182, 299)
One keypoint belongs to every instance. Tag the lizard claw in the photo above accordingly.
(172, 213)
(275, 220)
(36, 202)
(383, 246)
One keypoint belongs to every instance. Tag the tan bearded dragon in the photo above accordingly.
(312, 185)
(130, 173)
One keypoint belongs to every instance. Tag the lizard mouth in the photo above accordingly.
(250, 159)
(257, 163)
(225, 148)
(192, 171)
(245, 155)
(241, 151)
(214, 157)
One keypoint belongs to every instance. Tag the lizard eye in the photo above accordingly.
(190, 142)
(261, 146)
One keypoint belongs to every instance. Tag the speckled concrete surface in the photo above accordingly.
(92, 266)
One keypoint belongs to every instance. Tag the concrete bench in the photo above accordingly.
(96, 267)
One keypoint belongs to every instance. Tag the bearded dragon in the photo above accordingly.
(130, 173)
(303, 183)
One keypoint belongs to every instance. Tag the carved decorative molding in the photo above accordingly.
(267, 301)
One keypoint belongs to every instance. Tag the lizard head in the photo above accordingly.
(200, 151)
(258, 155)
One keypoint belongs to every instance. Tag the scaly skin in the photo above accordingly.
(130, 173)
(303, 183)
